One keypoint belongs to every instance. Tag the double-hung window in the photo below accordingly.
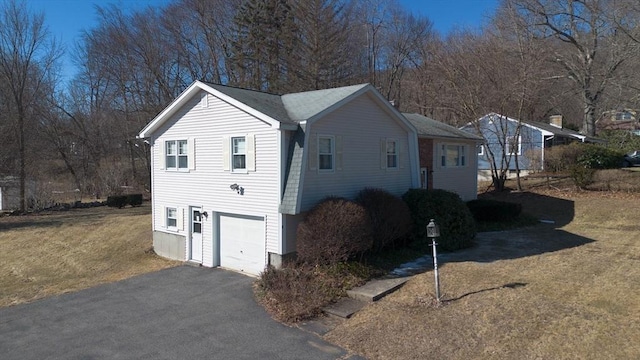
(177, 154)
(239, 153)
(325, 153)
(514, 145)
(392, 154)
(172, 217)
(453, 155)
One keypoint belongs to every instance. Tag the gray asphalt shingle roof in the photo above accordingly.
(433, 128)
(268, 104)
(290, 108)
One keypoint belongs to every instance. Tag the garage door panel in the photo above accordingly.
(242, 243)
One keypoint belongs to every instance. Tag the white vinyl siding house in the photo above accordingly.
(209, 182)
(363, 160)
(234, 170)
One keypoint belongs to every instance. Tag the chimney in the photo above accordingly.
(556, 120)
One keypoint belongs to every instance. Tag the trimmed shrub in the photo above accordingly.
(118, 201)
(134, 199)
(487, 210)
(457, 227)
(390, 217)
(334, 230)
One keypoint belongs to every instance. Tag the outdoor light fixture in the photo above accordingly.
(237, 188)
(433, 231)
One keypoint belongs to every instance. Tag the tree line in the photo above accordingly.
(531, 59)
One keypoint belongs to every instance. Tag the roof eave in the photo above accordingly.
(194, 88)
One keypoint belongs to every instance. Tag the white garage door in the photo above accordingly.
(242, 243)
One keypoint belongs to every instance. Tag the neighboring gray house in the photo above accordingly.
(448, 157)
(234, 170)
(499, 132)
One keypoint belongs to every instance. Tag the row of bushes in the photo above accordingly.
(338, 229)
(591, 156)
(581, 161)
(121, 201)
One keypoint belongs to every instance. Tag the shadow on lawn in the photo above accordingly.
(512, 244)
(560, 211)
(529, 241)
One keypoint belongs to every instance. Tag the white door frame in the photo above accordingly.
(195, 227)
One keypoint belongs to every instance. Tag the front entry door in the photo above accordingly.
(195, 230)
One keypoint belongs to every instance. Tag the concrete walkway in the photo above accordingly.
(179, 313)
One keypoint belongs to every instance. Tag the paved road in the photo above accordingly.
(179, 313)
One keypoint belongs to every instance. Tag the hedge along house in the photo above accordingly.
(235, 170)
(525, 141)
(448, 157)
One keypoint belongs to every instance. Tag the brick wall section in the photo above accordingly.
(426, 157)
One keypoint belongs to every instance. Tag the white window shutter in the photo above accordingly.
(383, 153)
(163, 155)
(180, 220)
(191, 157)
(401, 153)
(251, 152)
(226, 157)
(164, 217)
(312, 153)
(339, 152)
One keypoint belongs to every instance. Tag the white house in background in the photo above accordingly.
(234, 170)
(448, 157)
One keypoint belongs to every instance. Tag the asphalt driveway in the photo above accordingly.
(179, 313)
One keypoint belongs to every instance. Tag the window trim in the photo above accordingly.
(177, 155)
(461, 158)
(332, 153)
(167, 218)
(395, 155)
(481, 150)
(508, 146)
(232, 154)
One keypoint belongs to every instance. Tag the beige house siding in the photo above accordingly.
(461, 180)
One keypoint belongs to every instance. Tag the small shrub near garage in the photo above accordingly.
(300, 291)
(457, 227)
(487, 210)
(334, 230)
(390, 217)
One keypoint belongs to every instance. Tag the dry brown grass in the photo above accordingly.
(577, 293)
(58, 252)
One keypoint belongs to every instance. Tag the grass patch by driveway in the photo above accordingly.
(570, 291)
(51, 253)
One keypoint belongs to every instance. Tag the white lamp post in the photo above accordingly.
(433, 231)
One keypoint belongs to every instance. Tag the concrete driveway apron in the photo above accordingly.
(179, 313)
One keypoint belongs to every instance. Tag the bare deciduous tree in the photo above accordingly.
(28, 57)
